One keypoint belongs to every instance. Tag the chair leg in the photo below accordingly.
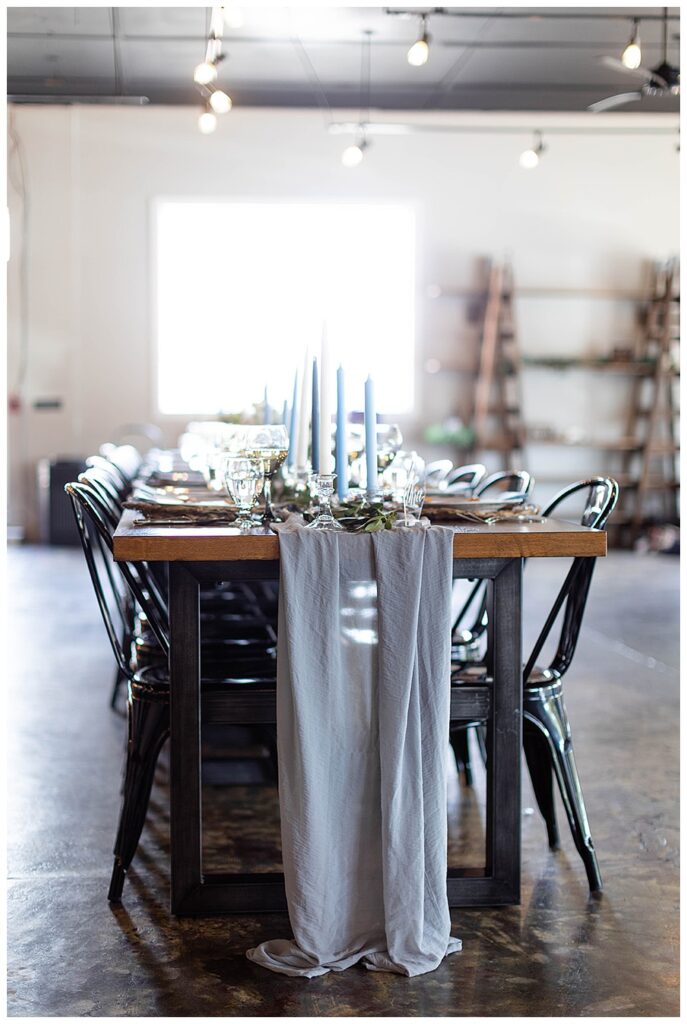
(545, 708)
(269, 733)
(461, 752)
(481, 734)
(148, 729)
(118, 680)
(538, 758)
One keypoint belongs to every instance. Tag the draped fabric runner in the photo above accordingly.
(362, 723)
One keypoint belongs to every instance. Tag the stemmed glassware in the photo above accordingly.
(322, 487)
(268, 443)
(243, 479)
(355, 447)
(389, 440)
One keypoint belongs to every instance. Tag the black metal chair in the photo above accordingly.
(148, 688)
(470, 624)
(436, 472)
(464, 478)
(519, 482)
(547, 738)
(125, 457)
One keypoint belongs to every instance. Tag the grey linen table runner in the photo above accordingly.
(363, 669)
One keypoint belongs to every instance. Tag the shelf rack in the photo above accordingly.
(649, 444)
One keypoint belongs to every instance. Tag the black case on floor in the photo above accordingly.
(56, 518)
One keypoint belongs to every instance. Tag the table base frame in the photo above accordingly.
(198, 894)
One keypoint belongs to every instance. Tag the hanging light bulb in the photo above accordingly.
(529, 158)
(204, 73)
(220, 102)
(207, 122)
(632, 54)
(353, 155)
(418, 54)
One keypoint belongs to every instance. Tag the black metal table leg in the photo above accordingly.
(504, 735)
(185, 782)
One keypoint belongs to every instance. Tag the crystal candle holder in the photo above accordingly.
(322, 486)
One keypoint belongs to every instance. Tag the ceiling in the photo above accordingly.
(504, 58)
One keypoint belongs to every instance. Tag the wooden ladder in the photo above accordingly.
(650, 466)
(497, 418)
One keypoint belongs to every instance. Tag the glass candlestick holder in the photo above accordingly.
(322, 487)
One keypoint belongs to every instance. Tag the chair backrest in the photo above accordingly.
(95, 530)
(103, 483)
(518, 482)
(106, 592)
(601, 498)
(150, 431)
(470, 476)
(436, 472)
(124, 457)
(104, 464)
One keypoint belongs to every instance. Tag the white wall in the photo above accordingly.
(590, 216)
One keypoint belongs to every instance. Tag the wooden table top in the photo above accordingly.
(550, 539)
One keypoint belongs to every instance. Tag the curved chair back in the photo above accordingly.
(102, 578)
(103, 483)
(466, 477)
(96, 535)
(436, 472)
(518, 482)
(102, 463)
(601, 498)
(124, 457)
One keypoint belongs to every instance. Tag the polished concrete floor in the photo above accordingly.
(559, 953)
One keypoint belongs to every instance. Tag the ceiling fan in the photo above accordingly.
(662, 80)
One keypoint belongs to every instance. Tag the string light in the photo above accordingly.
(529, 158)
(205, 74)
(353, 155)
(207, 122)
(418, 54)
(632, 54)
(220, 102)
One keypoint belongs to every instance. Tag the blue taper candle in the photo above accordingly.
(293, 424)
(267, 412)
(315, 420)
(340, 453)
(370, 436)
(285, 414)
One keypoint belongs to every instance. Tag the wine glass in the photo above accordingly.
(269, 443)
(229, 438)
(389, 440)
(355, 447)
(395, 476)
(243, 480)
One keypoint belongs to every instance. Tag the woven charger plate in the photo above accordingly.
(463, 508)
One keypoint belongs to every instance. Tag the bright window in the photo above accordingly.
(242, 288)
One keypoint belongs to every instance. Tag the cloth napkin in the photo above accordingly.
(363, 670)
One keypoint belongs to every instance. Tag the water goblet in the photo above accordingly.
(270, 444)
(322, 486)
(389, 440)
(243, 479)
